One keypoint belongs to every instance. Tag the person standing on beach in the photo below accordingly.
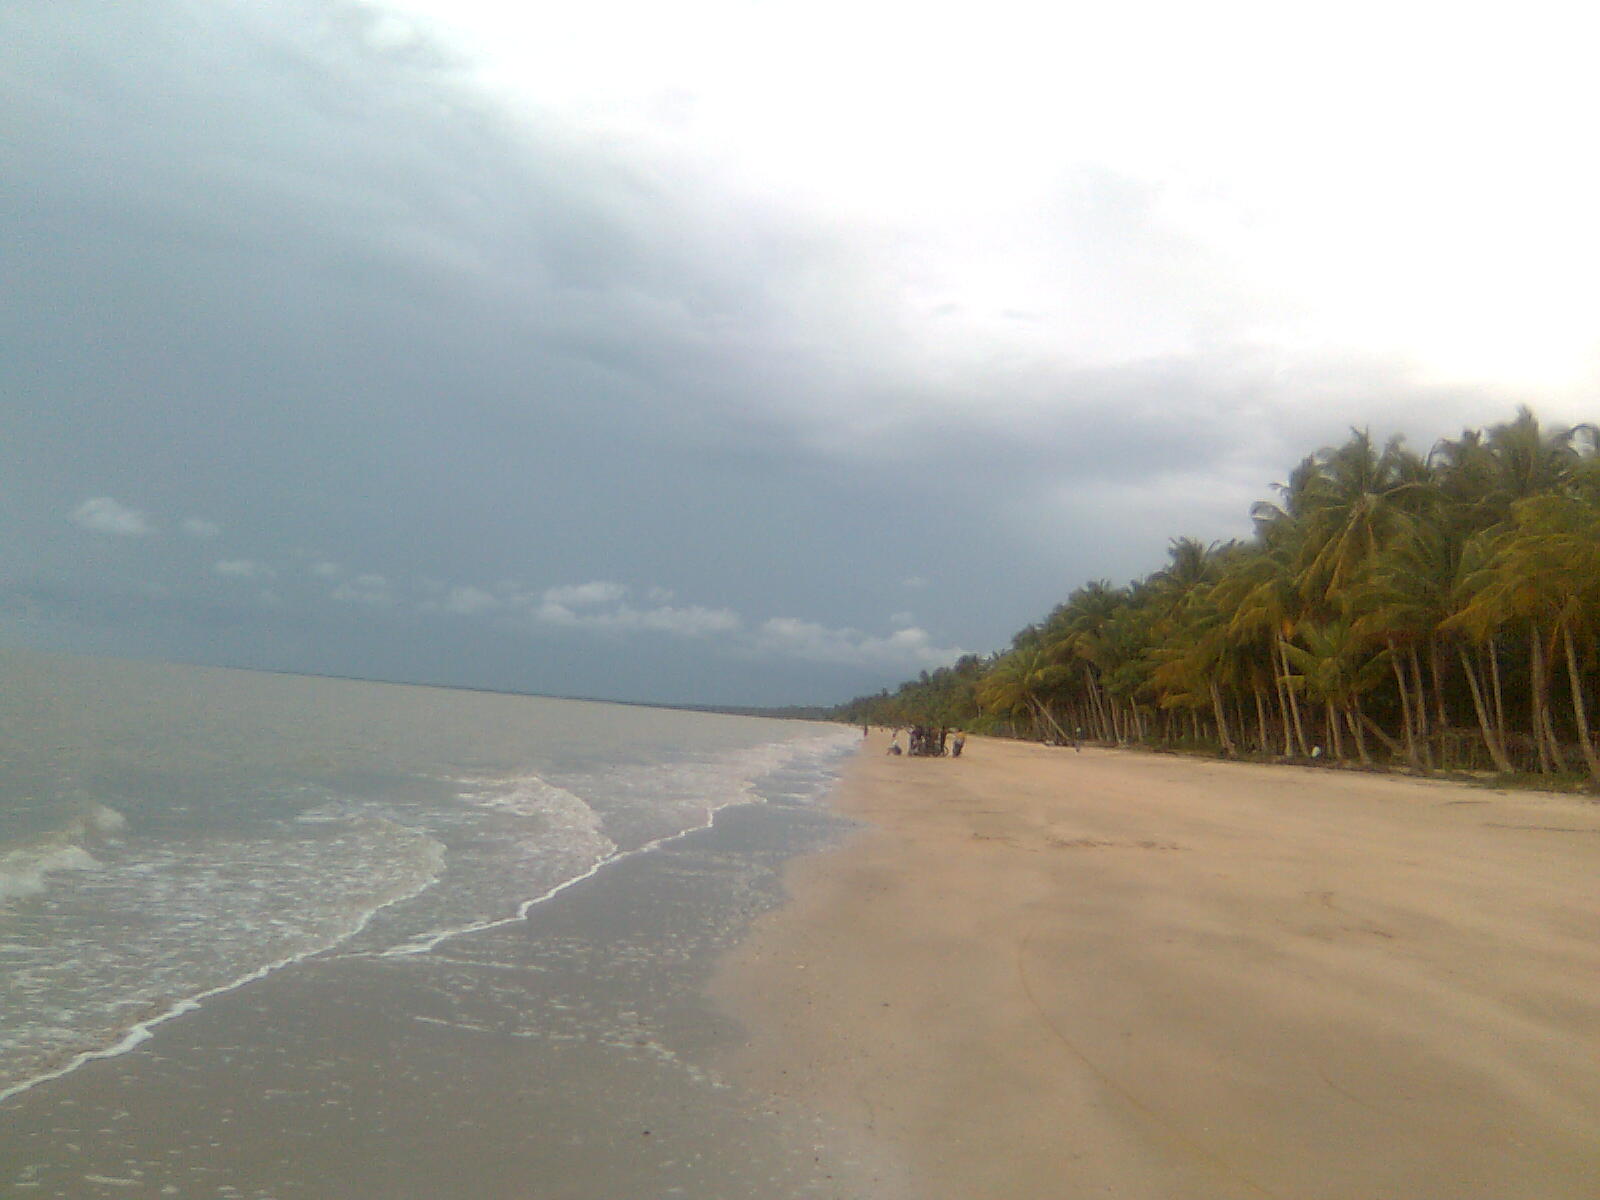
(956, 744)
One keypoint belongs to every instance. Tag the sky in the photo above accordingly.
(736, 352)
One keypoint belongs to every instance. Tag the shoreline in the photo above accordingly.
(148, 1017)
(1038, 972)
(561, 1055)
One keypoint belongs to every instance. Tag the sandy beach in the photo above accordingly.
(1041, 973)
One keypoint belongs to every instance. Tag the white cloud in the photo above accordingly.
(585, 595)
(326, 570)
(910, 648)
(200, 527)
(603, 606)
(364, 589)
(561, 605)
(243, 568)
(470, 601)
(916, 582)
(102, 514)
(693, 621)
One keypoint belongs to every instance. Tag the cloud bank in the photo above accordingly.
(102, 514)
(520, 352)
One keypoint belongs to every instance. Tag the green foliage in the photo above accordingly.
(947, 697)
(1434, 602)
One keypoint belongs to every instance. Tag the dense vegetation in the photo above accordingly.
(1431, 612)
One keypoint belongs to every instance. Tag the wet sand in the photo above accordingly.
(1037, 973)
(556, 1058)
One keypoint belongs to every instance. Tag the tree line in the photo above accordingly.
(1434, 611)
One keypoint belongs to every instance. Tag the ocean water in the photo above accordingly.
(185, 852)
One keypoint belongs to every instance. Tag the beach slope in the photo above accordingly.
(1042, 973)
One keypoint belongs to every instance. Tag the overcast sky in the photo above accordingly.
(736, 352)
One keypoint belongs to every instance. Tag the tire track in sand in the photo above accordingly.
(1192, 1148)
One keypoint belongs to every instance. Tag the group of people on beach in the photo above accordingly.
(929, 741)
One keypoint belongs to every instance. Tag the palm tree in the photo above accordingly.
(1336, 668)
(1078, 633)
(1496, 595)
(1019, 683)
(1550, 572)
(1356, 504)
(1402, 600)
(1373, 576)
(1519, 460)
(1267, 608)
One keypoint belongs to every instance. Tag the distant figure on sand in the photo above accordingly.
(956, 743)
(894, 746)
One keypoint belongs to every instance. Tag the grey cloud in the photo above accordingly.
(368, 589)
(906, 649)
(467, 602)
(244, 568)
(280, 265)
(102, 514)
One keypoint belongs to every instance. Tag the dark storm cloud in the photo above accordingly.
(316, 357)
(305, 282)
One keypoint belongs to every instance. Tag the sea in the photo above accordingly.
(278, 936)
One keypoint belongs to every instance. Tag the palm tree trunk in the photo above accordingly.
(1224, 735)
(1546, 709)
(1096, 702)
(1335, 741)
(1419, 705)
(1362, 724)
(1499, 696)
(1496, 748)
(1437, 672)
(1535, 689)
(1360, 735)
(1579, 710)
(1283, 706)
(1378, 731)
(1041, 711)
(1539, 705)
(1263, 744)
(1294, 703)
(1405, 703)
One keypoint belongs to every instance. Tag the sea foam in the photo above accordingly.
(24, 866)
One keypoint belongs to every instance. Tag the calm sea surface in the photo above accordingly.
(174, 839)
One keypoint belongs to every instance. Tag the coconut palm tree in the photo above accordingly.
(1020, 683)
(1356, 503)
(1078, 632)
(1549, 572)
(1336, 667)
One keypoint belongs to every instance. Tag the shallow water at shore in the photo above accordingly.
(565, 1055)
(367, 961)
